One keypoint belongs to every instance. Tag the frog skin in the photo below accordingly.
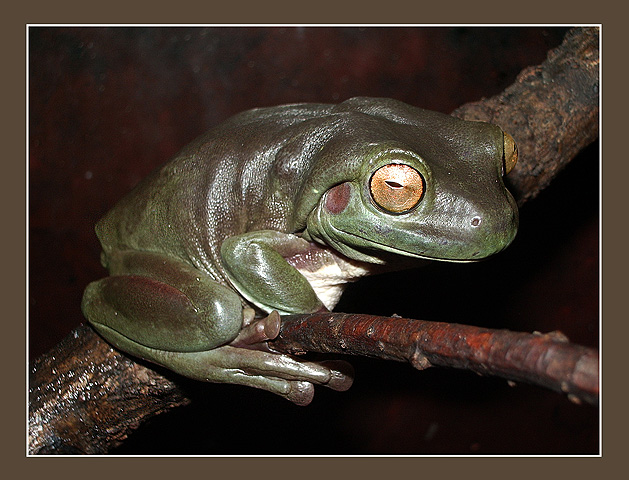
(275, 210)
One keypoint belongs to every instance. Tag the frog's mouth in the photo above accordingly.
(475, 256)
(361, 248)
(424, 256)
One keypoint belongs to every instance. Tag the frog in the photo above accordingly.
(274, 212)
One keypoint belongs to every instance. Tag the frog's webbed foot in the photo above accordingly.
(279, 373)
(282, 374)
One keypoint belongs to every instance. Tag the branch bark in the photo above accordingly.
(551, 110)
(86, 398)
(547, 360)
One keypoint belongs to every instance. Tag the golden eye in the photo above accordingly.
(510, 153)
(396, 188)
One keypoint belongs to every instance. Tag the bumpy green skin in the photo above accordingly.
(207, 233)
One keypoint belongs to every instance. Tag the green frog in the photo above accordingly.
(276, 210)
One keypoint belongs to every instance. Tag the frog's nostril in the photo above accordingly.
(476, 221)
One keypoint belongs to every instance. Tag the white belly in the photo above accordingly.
(328, 273)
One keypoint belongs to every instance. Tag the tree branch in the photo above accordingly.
(546, 360)
(86, 398)
(551, 110)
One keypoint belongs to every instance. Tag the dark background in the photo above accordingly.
(107, 105)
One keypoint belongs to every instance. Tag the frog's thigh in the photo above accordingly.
(256, 266)
(162, 304)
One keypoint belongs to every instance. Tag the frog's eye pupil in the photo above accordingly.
(396, 188)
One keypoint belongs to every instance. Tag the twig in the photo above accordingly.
(546, 360)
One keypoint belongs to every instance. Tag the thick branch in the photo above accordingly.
(551, 110)
(86, 398)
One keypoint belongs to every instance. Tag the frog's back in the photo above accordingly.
(222, 184)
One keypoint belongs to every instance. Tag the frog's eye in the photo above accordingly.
(510, 153)
(396, 188)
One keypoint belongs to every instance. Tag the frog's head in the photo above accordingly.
(431, 194)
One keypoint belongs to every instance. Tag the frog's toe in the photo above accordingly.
(301, 393)
(256, 332)
(341, 374)
(298, 392)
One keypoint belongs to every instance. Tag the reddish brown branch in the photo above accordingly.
(544, 360)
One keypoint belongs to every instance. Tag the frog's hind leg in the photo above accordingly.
(169, 313)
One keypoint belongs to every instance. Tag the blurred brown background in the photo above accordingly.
(107, 105)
